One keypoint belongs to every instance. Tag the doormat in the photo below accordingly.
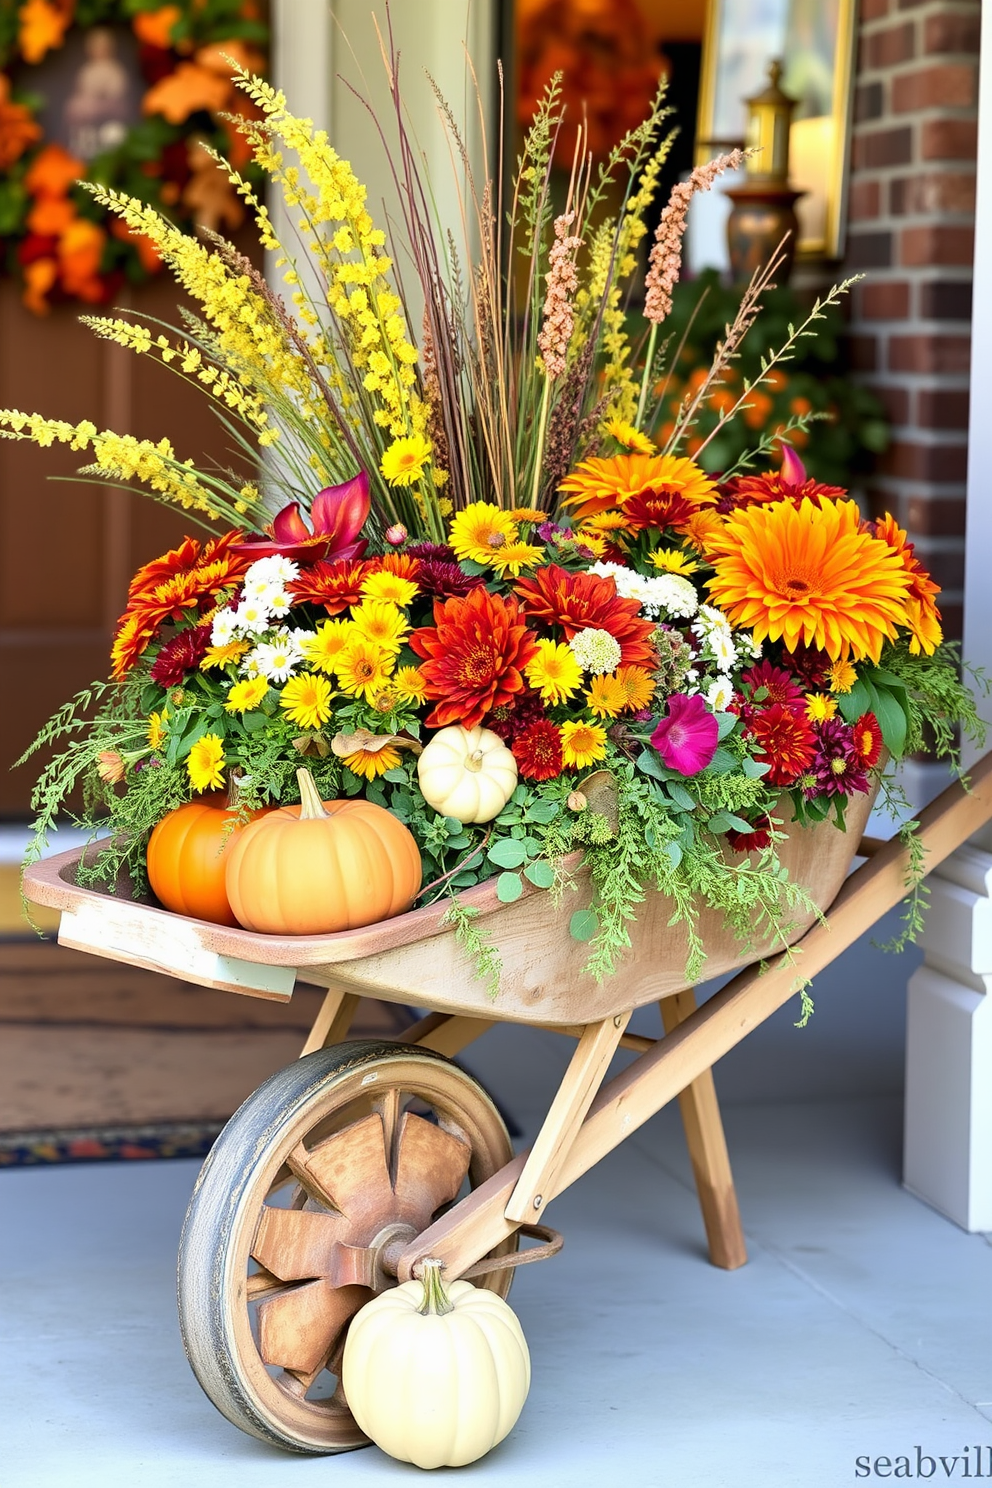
(108, 1143)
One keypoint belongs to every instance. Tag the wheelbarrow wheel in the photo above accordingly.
(327, 1169)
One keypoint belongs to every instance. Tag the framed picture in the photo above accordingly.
(815, 41)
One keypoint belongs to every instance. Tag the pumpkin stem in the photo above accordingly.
(311, 806)
(474, 761)
(436, 1302)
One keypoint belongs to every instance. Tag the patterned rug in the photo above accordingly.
(108, 1144)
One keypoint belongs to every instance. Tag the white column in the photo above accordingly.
(948, 1139)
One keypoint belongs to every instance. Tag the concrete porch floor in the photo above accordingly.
(861, 1327)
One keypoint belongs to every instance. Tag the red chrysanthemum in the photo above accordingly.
(868, 740)
(510, 719)
(785, 741)
(575, 601)
(474, 656)
(775, 685)
(837, 769)
(537, 751)
(337, 586)
(753, 841)
(665, 507)
(760, 490)
(180, 655)
(187, 559)
(445, 580)
(811, 665)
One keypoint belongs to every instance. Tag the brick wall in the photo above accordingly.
(911, 231)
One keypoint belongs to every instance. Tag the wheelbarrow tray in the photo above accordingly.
(416, 958)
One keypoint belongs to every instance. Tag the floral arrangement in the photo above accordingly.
(489, 538)
(55, 237)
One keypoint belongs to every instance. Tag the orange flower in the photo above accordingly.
(475, 653)
(922, 614)
(186, 91)
(39, 277)
(577, 601)
(599, 485)
(756, 409)
(80, 251)
(337, 586)
(43, 27)
(18, 129)
(53, 171)
(808, 575)
(148, 254)
(50, 216)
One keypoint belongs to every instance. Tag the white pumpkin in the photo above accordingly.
(467, 773)
(436, 1377)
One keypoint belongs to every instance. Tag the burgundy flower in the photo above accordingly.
(809, 664)
(753, 841)
(440, 551)
(511, 719)
(338, 514)
(444, 580)
(687, 737)
(180, 655)
(777, 685)
(836, 769)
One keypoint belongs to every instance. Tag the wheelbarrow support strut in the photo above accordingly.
(583, 1126)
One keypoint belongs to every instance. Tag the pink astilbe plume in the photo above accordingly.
(558, 319)
(665, 260)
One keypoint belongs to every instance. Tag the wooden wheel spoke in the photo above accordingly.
(299, 1330)
(297, 1244)
(261, 1283)
(431, 1165)
(389, 1106)
(351, 1168)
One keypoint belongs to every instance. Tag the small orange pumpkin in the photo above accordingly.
(187, 855)
(322, 866)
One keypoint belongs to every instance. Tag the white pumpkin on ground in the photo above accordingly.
(467, 773)
(436, 1376)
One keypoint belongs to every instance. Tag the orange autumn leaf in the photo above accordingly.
(17, 128)
(154, 27)
(43, 28)
(186, 91)
(50, 216)
(39, 278)
(53, 171)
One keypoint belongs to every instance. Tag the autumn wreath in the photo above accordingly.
(129, 93)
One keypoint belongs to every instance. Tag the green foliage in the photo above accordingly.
(476, 943)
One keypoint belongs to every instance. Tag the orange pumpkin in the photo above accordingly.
(187, 856)
(322, 866)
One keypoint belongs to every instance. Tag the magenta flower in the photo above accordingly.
(338, 514)
(793, 470)
(687, 737)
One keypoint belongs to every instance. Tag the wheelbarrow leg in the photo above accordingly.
(332, 1023)
(708, 1151)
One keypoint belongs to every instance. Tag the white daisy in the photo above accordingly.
(223, 629)
(719, 694)
(251, 616)
(277, 660)
(723, 649)
(279, 603)
(276, 570)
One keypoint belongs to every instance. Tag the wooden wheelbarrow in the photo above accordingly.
(340, 1174)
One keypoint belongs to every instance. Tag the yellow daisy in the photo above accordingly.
(327, 643)
(599, 484)
(606, 696)
(222, 656)
(671, 560)
(638, 685)
(514, 557)
(842, 676)
(306, 700)
(528, 514)
(403, 462)
(389, 586)
(205, 763)
(363, 668)
(380, 622)
(481, 529)
(246, 695)
(605, 522)
(820, 707)
(157, 729)
(582, 744)
(372, 762)
(628, 436)
(554, 672)
(410, 684)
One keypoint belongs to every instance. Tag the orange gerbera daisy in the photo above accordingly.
(577, 601)
(598, 485)
(475, 653)
(808, 575)
(186, 578)
(922, 614)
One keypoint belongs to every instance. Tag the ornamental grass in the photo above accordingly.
(496, 525)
